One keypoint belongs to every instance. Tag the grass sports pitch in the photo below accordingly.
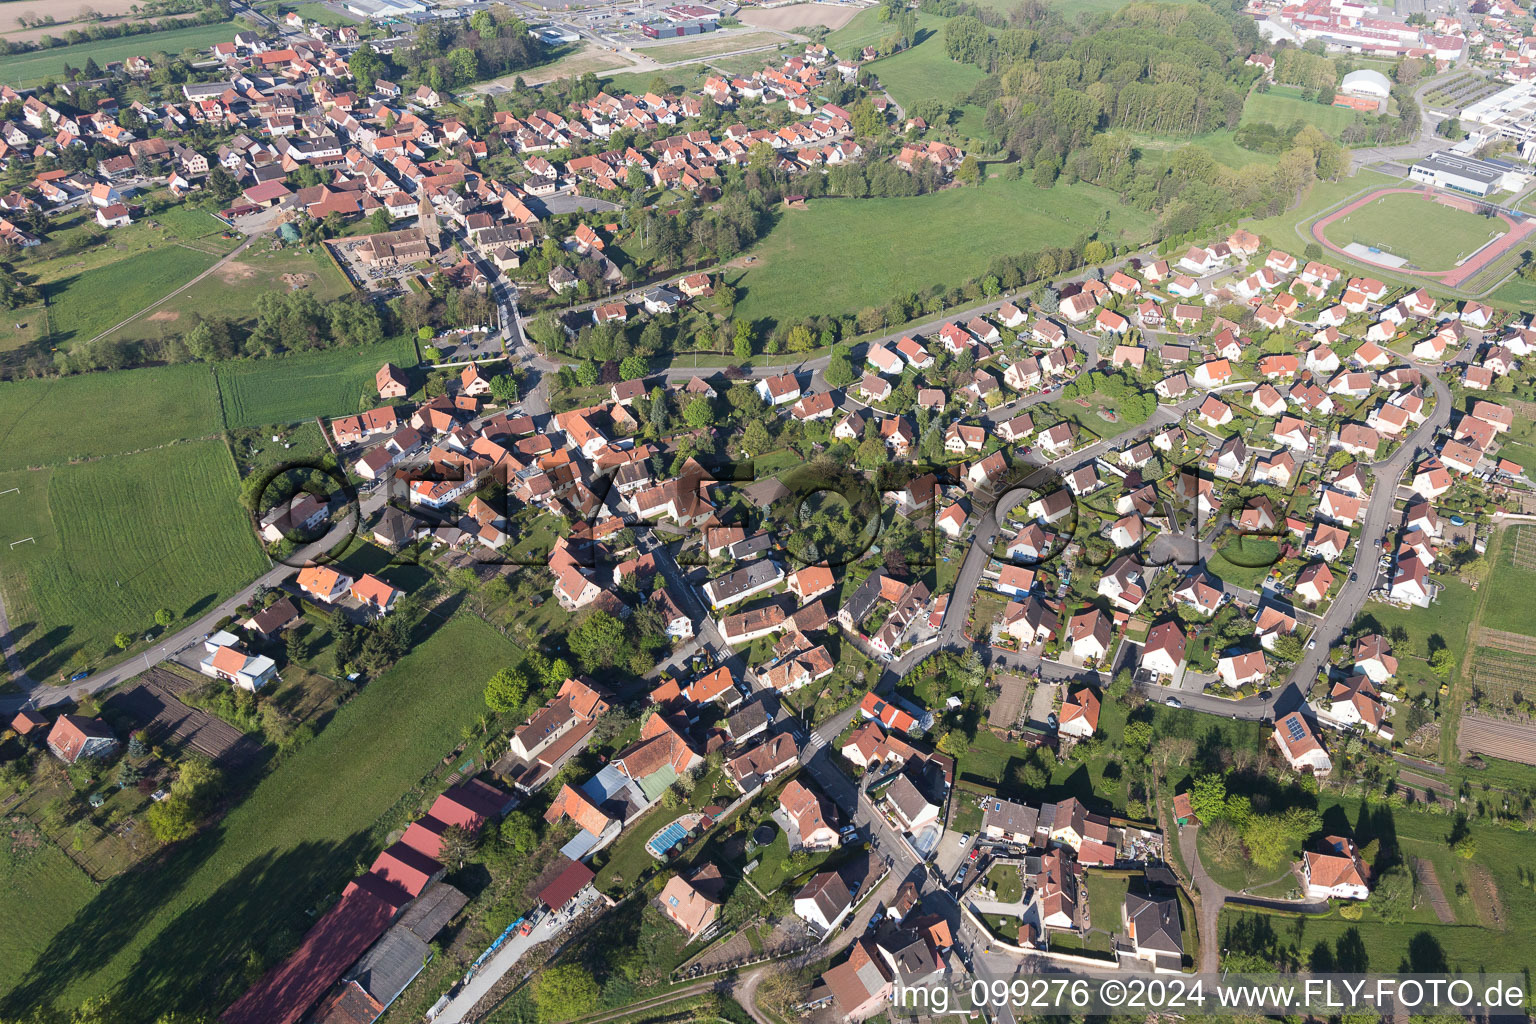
(1429, 235)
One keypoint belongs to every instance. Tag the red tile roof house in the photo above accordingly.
(74, 738)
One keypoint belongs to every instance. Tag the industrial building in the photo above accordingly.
(668, 29)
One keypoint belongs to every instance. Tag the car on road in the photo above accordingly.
(1312, 643)
(1173, 702)
(1353, 576)
(1266, 694)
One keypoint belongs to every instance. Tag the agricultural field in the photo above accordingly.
(1507, 605)
(130, 534)
(231, 291)
(144, 408)
(708, 45)
(805, 266)
(832, 16)
(41, 890)
(1282, 106)
(26, 69)
(287, 389)
(244, 891)
(1429, 235)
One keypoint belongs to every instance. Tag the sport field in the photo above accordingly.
(99, 414)
(247, 887)
(46, 891)
(133, 533)
(1281, 229)
(287, 389)
(232, 290)
(836, 256)
(83, 306)
(1429, 235)
(1281, 107)
(31, 68)
(1421, 942)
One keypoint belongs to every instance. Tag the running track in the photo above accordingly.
(1453, 277)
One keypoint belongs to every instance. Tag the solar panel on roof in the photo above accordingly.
(1293, 726)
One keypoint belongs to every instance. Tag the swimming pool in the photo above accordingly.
(667, 838)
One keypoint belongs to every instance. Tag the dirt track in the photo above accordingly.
(1430, 882)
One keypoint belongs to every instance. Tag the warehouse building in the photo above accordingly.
(668, 29)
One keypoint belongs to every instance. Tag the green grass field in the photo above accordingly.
(247, 886)
(1282, 106)
(233, 289)
(99, 414)
(1508, 605)
(133, 533)
(1429, 235)
(41, 890)
(836, 256)
(287, 389)
(85, 305)
(1421, 942)
(1448, 619)
(1250, 561)
(32, 68)
(1281, 229)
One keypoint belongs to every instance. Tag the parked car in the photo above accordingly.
(1173, 702)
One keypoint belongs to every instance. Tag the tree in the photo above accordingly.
(587, 374)
(171, 820)
(164, 617)
(506, 690)
(755, 439)
(458, 844)
(741, 344)
(840, 372)
(1442, 663)
(565, 992)
(1392, 896)
(969, 171)
(1287, 647)
(517, 832)
(379, 221)
(1208, 797)
(800, 339)
(123, 641)
(699, 414)
(1465, 847)
(599, 641)
(633, 368)
(504, 386)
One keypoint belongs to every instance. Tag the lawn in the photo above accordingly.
(866, 29)
(231, 291)
(1282, 107)
(1508, 604)
(925, 70)
(1244, 561)
(1429, 235)
(835, 257)
(1421, 942)
(31, 68)
(1005, 881)
(100, 414)
(1106, 895)
(84, 305)
(129, 535)
(1221, 144)
(241, 894)
(46, 891)
(287, 389)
